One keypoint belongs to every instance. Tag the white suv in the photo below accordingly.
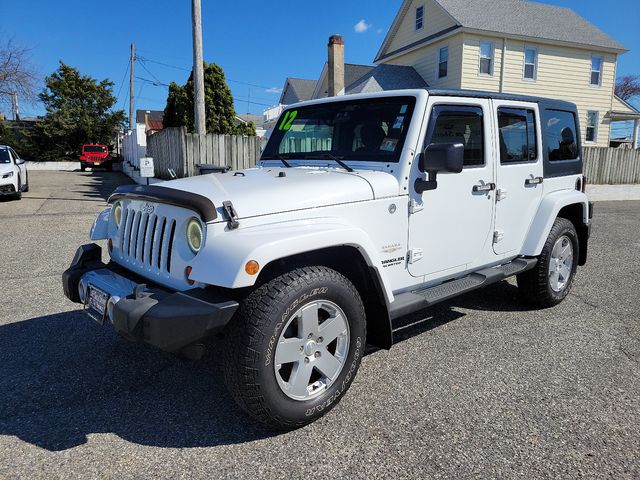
(362, 209)
(13, 173)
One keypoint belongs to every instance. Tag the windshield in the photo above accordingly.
(4, 155)
(368, 130)
(95, 148)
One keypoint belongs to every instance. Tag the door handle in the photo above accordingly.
(533, 181)
(487, 187)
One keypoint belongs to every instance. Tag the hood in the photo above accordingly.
(263, 191)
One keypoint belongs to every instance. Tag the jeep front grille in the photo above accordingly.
(146, 240)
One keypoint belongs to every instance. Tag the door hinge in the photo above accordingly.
(501, 194)
(414, 255)
(498, 235)
(415, 207)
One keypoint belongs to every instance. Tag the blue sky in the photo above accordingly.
(257, 43)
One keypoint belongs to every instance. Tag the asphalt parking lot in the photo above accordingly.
(483, 388)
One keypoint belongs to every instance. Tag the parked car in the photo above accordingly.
(95, 155)
(362, 209)
(13, 173)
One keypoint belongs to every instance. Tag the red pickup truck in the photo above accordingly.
(95, 155)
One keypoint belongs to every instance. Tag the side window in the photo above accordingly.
(561, 139)
(591, 133)
(530, 63)
(486, 58)
(420, 17)
(596, 70)
(517, 135)
(443, 60)
(15, 155)
(459, 124)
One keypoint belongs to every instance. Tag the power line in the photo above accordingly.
(189, 70)
(122, 83)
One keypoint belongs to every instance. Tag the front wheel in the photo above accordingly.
(18, 193)
(295, 346)
(550, 281)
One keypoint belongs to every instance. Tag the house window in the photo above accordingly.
(562, 142)
(517, 132)
(458, 124)
(596, 70)
(443, 60)
(420, 17)
(592, 127)
(530, 63)
(486, 58)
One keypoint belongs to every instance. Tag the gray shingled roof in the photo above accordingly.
(532, 19)
(387, 77)
(301, 90)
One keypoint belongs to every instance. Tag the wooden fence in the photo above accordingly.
(611, 165)
(175, 149)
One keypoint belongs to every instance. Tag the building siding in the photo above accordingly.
(562, 72)
(436, 19)
(425, 62)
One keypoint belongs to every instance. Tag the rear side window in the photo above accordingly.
(459, 124)
(561, 139)
(517, 135)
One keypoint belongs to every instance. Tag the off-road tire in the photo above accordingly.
(252, 335)
(534, 285)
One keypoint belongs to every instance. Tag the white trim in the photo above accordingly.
(595, 127)
(438, 77)
(524, 63)
(493, 58)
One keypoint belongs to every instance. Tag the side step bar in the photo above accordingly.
(410, 302)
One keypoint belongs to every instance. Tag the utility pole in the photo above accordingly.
(198, 71)
(133, 57)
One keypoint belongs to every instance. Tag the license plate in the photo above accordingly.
(96, 305)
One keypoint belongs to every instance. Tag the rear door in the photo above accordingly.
(450, 229)
(519, 173)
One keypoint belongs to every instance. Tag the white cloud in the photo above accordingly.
(273, 90)
(362, 26)
(379, 30)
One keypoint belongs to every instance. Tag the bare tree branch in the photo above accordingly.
(17, 72)
(628, 87)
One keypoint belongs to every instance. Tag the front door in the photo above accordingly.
(519, 174)
(450, 227)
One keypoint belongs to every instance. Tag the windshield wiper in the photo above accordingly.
(277, 156)
(334, 158)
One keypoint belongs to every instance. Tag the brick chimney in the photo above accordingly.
(336, 65)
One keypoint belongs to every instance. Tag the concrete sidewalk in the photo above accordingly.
(602, 193)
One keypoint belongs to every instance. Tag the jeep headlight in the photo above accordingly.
(194, 235)
(117, 213)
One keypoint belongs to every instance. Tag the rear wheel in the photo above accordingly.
(550, 281)
(83, 167)
(26, 185)
(295, 346)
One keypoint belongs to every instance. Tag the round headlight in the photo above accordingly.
(117, 213)
(194, 235)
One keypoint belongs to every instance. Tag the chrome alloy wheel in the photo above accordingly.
(560, 263)
(312, 350)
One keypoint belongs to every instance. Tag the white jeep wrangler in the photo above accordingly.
(362, 209)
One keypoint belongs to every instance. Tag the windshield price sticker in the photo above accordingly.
(287, 120)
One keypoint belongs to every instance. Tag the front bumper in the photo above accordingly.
(169, 320)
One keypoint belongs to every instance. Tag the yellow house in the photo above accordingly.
(513, 46)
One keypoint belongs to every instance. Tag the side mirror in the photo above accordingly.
(439, 158)
(19, 161)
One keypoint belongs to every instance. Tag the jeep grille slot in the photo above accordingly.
(146, 240)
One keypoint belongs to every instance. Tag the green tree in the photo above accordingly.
(79, 110)
(218, 100)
